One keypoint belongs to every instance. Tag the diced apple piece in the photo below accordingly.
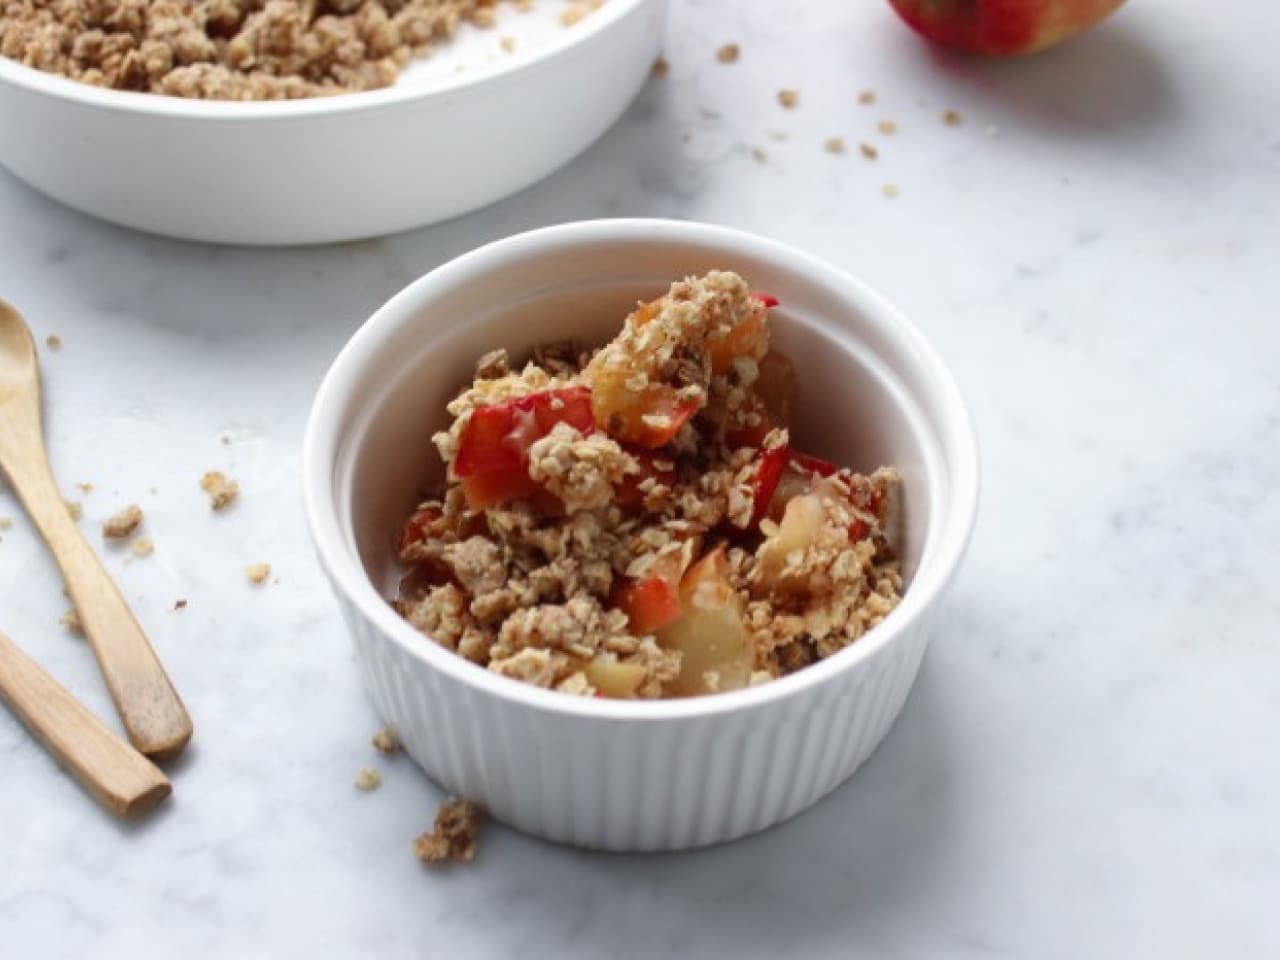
(799, 529)
(650, 604)
(614, 679)
(649, 418)
(710, 633)
(749, 338)
(498, 437)
(490, 489)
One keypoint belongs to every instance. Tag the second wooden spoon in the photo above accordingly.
(152, 713)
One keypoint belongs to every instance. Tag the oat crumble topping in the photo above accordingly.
(234, 49)
(368, 779)
(257, 573)
(635, 522)
(454, 835)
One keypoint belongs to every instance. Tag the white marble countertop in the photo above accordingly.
(1088, 764)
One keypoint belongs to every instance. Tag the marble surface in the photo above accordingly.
(1088, 764)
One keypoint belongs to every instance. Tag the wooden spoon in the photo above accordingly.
(153, 715)
(122, 779)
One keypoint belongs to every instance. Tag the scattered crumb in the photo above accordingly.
(123, 524)
(952, 118)
(85, 488)
(180, 604)
(53, 342)
(889, 190)
(868, 151)
(788, 98)
(6, 523)
(508, 44)
(660, 67)
(257, 573)
(226, 439)
(729, 53)
(833, 145)
(143, 547)
(386, 742)
(759, 155)
(867, 97)
(71, 620)
(887, 127)
(74, 508)
(222, 490)
(778, 135)
(454, 836)
(368, 779)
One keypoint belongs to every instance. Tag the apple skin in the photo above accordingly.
(1001, 27)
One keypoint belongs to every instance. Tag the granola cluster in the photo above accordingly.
(231, 49)
(634, 522)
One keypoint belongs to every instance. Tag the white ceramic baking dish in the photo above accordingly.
(655, 775)
(437, 144)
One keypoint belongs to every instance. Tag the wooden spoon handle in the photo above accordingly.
(122, 780)
(150, 709)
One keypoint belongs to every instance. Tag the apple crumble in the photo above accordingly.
(634, 521)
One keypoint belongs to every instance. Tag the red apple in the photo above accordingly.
(1001, 27)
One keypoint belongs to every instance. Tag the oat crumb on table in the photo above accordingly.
(834, 145)
(53, 342)
(887, 127)
(143, 547)
(6, 523)
(74, 508)
(952, 118)
(661, 67)
(123, 524)
(890, 190)
(86, 488)
(454, 836)
(71, 620)
(180, 604)
(867, 98)
(788, 98)
(368, 779)
(386, 742)
(222, 490)
(233, 49)
(868, 151)
(759, 155)
(729, 53)
(257, 573)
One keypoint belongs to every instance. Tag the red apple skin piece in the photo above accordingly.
(650, 604)
(1001, 27)
(498, 437)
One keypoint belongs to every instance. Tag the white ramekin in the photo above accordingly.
(334, 168)
(617, 775)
